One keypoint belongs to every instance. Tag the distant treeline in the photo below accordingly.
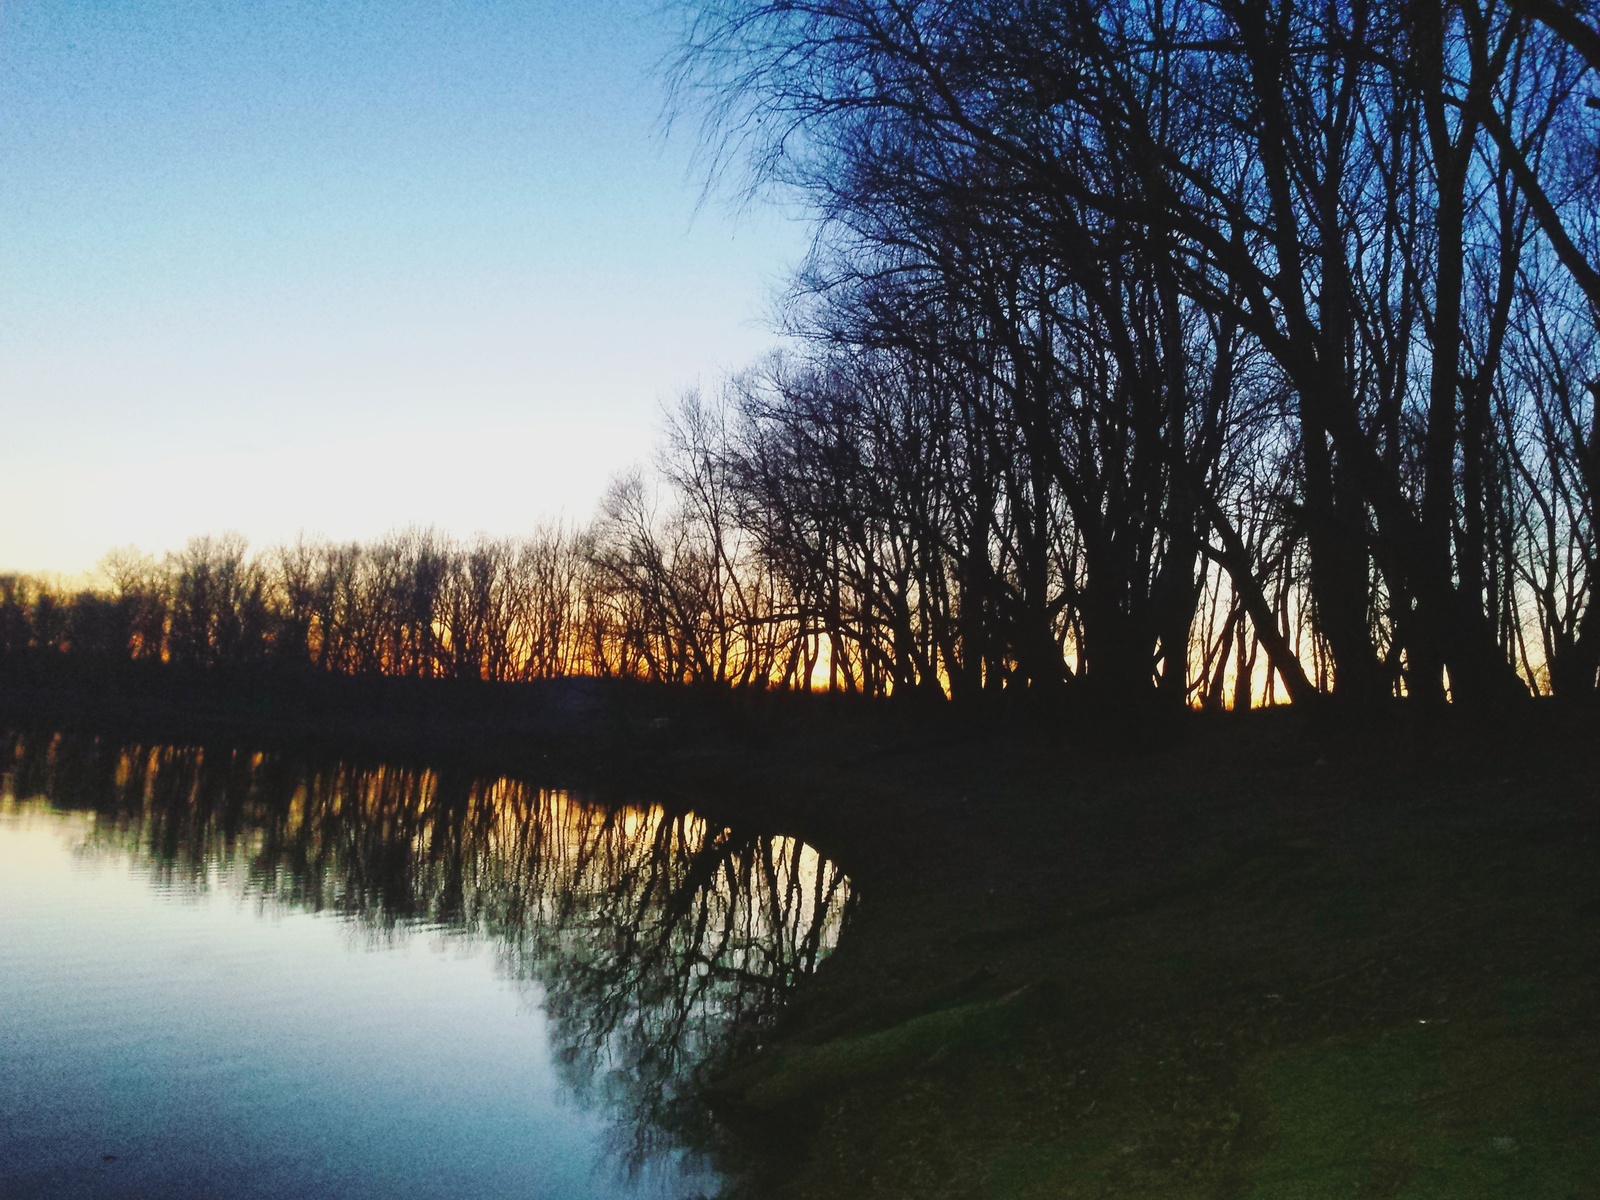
(559, 602)
(1211, 351)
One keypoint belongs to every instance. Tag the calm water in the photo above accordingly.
(235, 975)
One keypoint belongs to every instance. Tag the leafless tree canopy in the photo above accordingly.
(1205, 351)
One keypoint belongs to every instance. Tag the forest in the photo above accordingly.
(1208, 353)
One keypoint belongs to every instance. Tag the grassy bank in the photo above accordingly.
(1268, 956)
(1271, 959)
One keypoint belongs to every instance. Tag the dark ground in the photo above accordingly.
(1269, 956)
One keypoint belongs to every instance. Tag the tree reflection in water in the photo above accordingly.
(661, 943)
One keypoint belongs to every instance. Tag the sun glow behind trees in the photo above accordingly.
(1214, 353)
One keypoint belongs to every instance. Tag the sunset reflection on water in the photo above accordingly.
(259, 970)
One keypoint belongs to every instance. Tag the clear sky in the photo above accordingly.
(344, 266)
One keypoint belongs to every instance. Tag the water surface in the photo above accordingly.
(230, 974)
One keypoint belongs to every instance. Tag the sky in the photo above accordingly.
(343, 267)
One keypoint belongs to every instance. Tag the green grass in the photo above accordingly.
(1260, 971)
(1385, 1119)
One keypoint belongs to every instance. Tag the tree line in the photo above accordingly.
(1207, 352)
(558, 602)
(1144, 337)
(641, 592)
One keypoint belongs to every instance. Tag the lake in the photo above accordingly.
(226, 973)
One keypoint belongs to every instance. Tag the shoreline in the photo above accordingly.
(1256, 944)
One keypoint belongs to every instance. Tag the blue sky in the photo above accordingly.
(342, 267)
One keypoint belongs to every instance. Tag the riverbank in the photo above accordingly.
(1260, 956)
(1270, 960)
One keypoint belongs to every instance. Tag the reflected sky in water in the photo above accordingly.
(240, 975)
